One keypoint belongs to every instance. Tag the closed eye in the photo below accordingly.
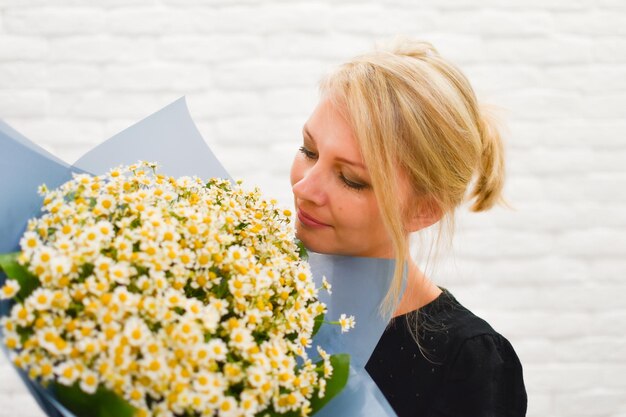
(353, 185)
(345, 181)
(309, 154)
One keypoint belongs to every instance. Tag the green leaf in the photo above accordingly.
(336, 383)
(102, 403)
(28, 282)
(319, 319)
(304, 255)
(338, 380)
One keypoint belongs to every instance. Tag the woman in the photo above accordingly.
(395, 145)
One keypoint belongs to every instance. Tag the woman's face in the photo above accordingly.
(336, 208)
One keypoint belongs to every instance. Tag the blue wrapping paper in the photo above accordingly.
(170, 138)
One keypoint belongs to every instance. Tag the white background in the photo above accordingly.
(549, 275)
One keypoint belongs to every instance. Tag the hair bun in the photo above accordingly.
(488, 188)
(411, 47)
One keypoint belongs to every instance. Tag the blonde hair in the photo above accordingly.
(412, 109)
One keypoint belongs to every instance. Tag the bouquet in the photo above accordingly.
(170, 137)
(169, 296)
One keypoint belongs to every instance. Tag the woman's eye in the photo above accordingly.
(354, 185)
(309, 154)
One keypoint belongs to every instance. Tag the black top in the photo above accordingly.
(464, 368)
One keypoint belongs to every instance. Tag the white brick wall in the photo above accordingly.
(550, 275)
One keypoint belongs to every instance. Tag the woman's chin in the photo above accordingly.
(313, 245)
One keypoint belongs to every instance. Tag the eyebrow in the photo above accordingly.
(308, 134)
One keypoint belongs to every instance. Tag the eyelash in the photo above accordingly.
(346, 182)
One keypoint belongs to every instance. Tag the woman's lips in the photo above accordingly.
(310, 221)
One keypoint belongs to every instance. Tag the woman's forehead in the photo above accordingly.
(328, 125)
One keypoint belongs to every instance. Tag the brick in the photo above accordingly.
(523, 270)
(159, 77)
(226, 20)
(573, 160)
(596, 79)
(15, 399)
(287, 132)
(562, 298)
(600, 188)
(539, 161)
(25, 4)
(23, 75)
(596, 349)
(74, 77)
(548, 216)
(211, 48)
(540, 324)
(290, 102)
(564, 378)
(258, 131)
(536, 351)
(16, 103)
(556, 5)
(61, 132)
(54, 21)
(286, 152)
(239, 163)
(461, 49)
(555, 50)
(592, 242)
(335, 47)
(609, 269)
(22, 3)
(593, 22)
(593, 402)
(495, 22)
(609, 49)
(609, 105)
(613, 376)
(260, 74)
(375, 19)
(539, 403)
(606, 187)
(275, 188)
(560, 134)
(223, 103)
(611, 4)
(250, 129)
(610, 322)
(97, 105)
(238, 19)
(20, 405)
(285, 17)
(491, 244)
(490, 79)
(22, 48)
(160, 20)
(102, 49)
(204, 2)
(542, 104)
(235, 20)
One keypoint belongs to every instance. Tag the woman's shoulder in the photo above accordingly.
(460, 361)
(445, 329)
(448, 324)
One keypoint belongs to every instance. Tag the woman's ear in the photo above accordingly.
(426, 213)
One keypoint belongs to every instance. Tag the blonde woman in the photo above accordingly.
(396, 144)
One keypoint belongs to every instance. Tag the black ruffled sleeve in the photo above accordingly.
(484, 380)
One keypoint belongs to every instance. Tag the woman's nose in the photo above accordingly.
(310, 186)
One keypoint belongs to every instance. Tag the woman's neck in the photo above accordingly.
(420, 290)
